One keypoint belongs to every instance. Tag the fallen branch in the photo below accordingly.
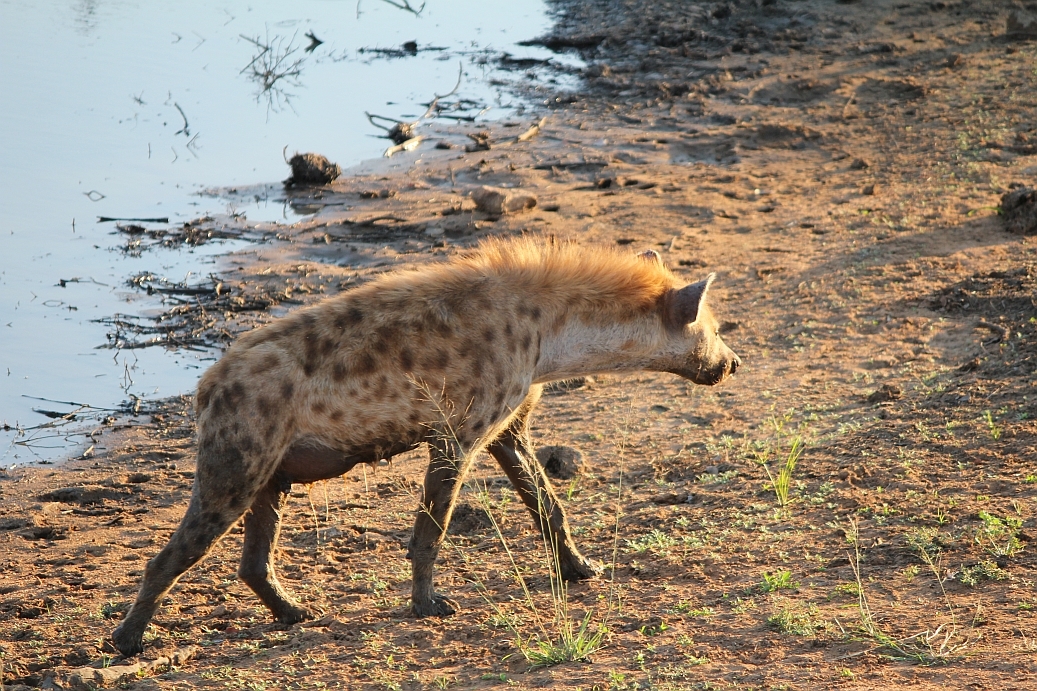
(403, 131)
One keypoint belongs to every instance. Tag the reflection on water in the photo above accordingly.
(129, 110)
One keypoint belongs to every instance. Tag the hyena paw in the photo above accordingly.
(437, 606)
(581, 569)
(129, 643)
(293, 615)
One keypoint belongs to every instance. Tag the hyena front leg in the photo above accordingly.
(262, 528)
(447, 467)
(514, 452)
(207, 519)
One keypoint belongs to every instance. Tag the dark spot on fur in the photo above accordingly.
(499, 378)
(407, 360)
(235, 393)
(327, 347)
(266, 406)
(319, 407)
(479, 426)
(365, 364)
(527, 340)
(507, 329)
(488, 335)
(498, 403)
(337, 416)
(287, 390)
(477, 393)
(348, 318)
(383, 382)
(414, 417)
(338, 371)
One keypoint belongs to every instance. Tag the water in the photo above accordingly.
(130, 109)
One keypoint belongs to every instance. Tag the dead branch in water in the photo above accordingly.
(398, 4)
(403, 131)
(273, 69)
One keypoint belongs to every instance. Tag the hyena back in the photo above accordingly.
(451, 355)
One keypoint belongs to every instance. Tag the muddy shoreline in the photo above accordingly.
(840, 165)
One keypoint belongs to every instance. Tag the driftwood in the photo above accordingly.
(402, 132)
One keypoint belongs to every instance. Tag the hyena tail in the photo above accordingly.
(209, 516)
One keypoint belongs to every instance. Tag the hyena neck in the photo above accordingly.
(578, 349)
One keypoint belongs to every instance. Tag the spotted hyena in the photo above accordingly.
(452, 355)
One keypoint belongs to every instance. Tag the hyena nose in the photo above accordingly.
(735, 363)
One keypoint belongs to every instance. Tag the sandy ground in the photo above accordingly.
(840, 166)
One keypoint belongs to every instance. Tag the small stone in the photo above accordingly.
(672, 498)
(868, 190)
(1021, 25)
(888, 392)
(858, 164)
(498, 202)
(562, 462)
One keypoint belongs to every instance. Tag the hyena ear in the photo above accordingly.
(651, 256)
(688, 301)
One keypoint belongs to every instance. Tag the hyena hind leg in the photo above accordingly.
(201, 526)
(262, 528)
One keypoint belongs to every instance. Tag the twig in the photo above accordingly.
(1003, 332)
(109, 219)
(185, 131)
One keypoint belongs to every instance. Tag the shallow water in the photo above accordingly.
(127, 109)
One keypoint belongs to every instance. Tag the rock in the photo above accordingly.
(868, 190)
(1019, 211)
(1021, 25)
(90, 678)
(498, 202)
(888, 392)
(562, 462)
(672, 498)
(311, 169)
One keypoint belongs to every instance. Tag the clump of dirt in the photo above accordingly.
(311, 169)
(1019, 211)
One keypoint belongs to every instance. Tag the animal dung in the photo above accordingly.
(312, 169)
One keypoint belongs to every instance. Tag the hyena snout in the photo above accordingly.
(712, 367)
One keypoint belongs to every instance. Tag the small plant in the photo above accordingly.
(852, 589)
(777, 581)
(796, 619)
(783, 481)
(983, 571)
(999, 536)
(657, 541)
(992, 427)
(927, 647)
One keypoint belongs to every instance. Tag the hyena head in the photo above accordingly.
(693, 348)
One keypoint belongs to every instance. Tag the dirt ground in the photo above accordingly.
(840, 166)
